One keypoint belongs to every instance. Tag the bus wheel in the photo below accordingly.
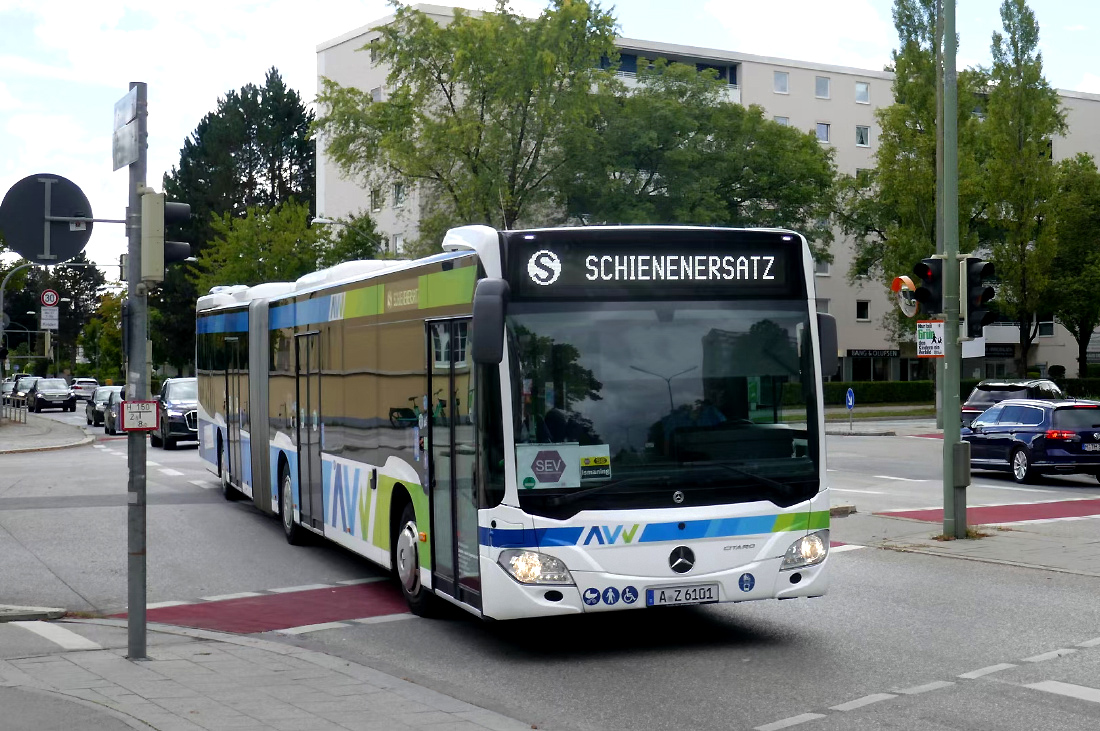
(294, 532)
(406, 562)
(228, 491)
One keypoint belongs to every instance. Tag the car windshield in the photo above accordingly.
(52, 383)
(648, 398)
(992, 395)
(182, 391)
(1077, 417)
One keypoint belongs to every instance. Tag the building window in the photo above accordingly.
(376, 94)
(373, 50)
(398, 195)
(821, 87)
(821, 268)
(863, 92)
(822, 132)
(376, 199)
(397, 243)
(823, 306)
(785, 121)
(780, 82)
(733, 75)
(1046, 326)
(863, 310)
(863, 136)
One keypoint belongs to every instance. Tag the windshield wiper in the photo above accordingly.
(659, 480)
(785, 488)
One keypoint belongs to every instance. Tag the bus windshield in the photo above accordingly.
(662, 404)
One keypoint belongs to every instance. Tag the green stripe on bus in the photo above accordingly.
(815, 520)
(363, 302)
(441, 289)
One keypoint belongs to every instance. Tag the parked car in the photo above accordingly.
(1030, 437)
(94, 409)
(177, 407)
(112, 411)
(990, 392)
(7, 388)
(84, 387)
(51, 393)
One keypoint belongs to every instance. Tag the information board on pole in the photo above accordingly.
(139, 416)
(50, 316)
(930, 339)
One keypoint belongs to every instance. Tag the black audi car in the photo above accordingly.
(177, 404)
(1029, 437)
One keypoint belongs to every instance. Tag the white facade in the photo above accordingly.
(835, 102)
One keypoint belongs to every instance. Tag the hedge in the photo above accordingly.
(915, 392)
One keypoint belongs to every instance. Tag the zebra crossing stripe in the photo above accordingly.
(1080, 692)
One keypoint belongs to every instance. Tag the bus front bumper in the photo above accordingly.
(506, 598)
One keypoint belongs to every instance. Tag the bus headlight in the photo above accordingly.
(807, 551)
(531, 567)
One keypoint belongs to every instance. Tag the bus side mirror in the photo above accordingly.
(490, 306)
(826, 333)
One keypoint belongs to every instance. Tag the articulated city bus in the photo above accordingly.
(539, 422)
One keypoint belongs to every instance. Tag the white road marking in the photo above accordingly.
(58, 635)
(238, 595)
(385, 618)
(788, 722)
(1068, 689)
(861, 492)
(353, 582)
(864, 701)
(206, 484)
(98, 446)
(151, 462)
(1015, 489)
(310, 628)
(170, 472)
(1049, 655)
(1090, 643)
(845, 547)
(900, 479)
(1046, 520)
(987, 670)
(162, 605)
(935, 685)
(307, 587)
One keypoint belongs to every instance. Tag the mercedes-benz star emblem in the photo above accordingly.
(678, 497)
(681, 560)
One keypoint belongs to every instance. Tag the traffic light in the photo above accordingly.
(155, 251)
(930, 293)
(975, 295)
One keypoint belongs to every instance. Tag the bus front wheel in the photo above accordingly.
(406, 563)
(294, 532)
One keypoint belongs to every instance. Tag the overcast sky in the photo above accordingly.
(64, 63)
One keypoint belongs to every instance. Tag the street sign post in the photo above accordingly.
(49, 317)
(850, 402)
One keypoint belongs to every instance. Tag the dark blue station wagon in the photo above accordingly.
(1028, 437)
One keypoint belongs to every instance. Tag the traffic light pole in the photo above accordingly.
(136, 389)
(954, 483)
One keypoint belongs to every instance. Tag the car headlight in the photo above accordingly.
(532, 567)
(174, 412)
(807, 551)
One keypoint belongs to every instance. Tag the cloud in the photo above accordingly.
(841, 32)
(1089, 83)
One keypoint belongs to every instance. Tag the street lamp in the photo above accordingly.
(667, 380)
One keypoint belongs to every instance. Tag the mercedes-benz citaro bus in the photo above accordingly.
(539, 422)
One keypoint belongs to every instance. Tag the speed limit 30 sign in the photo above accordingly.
(139, 416)
(49, 298)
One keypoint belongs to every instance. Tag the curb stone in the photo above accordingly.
(12, 613)
(86, 439)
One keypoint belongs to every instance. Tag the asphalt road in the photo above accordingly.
(884, 649)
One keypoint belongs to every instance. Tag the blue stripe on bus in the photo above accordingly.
(229, 322)
(293, 314)
(719, 528)
(528, 537)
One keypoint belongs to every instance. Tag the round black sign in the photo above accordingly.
(23, 215)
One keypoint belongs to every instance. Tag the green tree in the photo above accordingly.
(1075, 273)
(351, 239)
(267, 244)
(102, 340)
(477, 112)
(674, 150)
(253, 150)
(1019, 176)
(890, 211)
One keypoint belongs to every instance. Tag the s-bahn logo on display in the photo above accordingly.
(544, 267)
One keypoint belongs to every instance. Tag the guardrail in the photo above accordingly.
(14, 408)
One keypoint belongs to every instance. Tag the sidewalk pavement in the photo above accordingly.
(1065, 547)
(196, 680)
(40, 434)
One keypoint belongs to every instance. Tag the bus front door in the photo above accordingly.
(308, 371)
(233, 409)
(453, 463)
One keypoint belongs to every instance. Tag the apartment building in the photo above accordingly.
(836, 103)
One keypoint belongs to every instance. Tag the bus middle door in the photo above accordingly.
(308, 371)
(452, 467)
(233, 409)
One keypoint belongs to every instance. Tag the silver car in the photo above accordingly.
(84, 387)
(97, 404)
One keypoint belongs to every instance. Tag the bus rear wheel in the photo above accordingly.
(406, 563)
(294, 532)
